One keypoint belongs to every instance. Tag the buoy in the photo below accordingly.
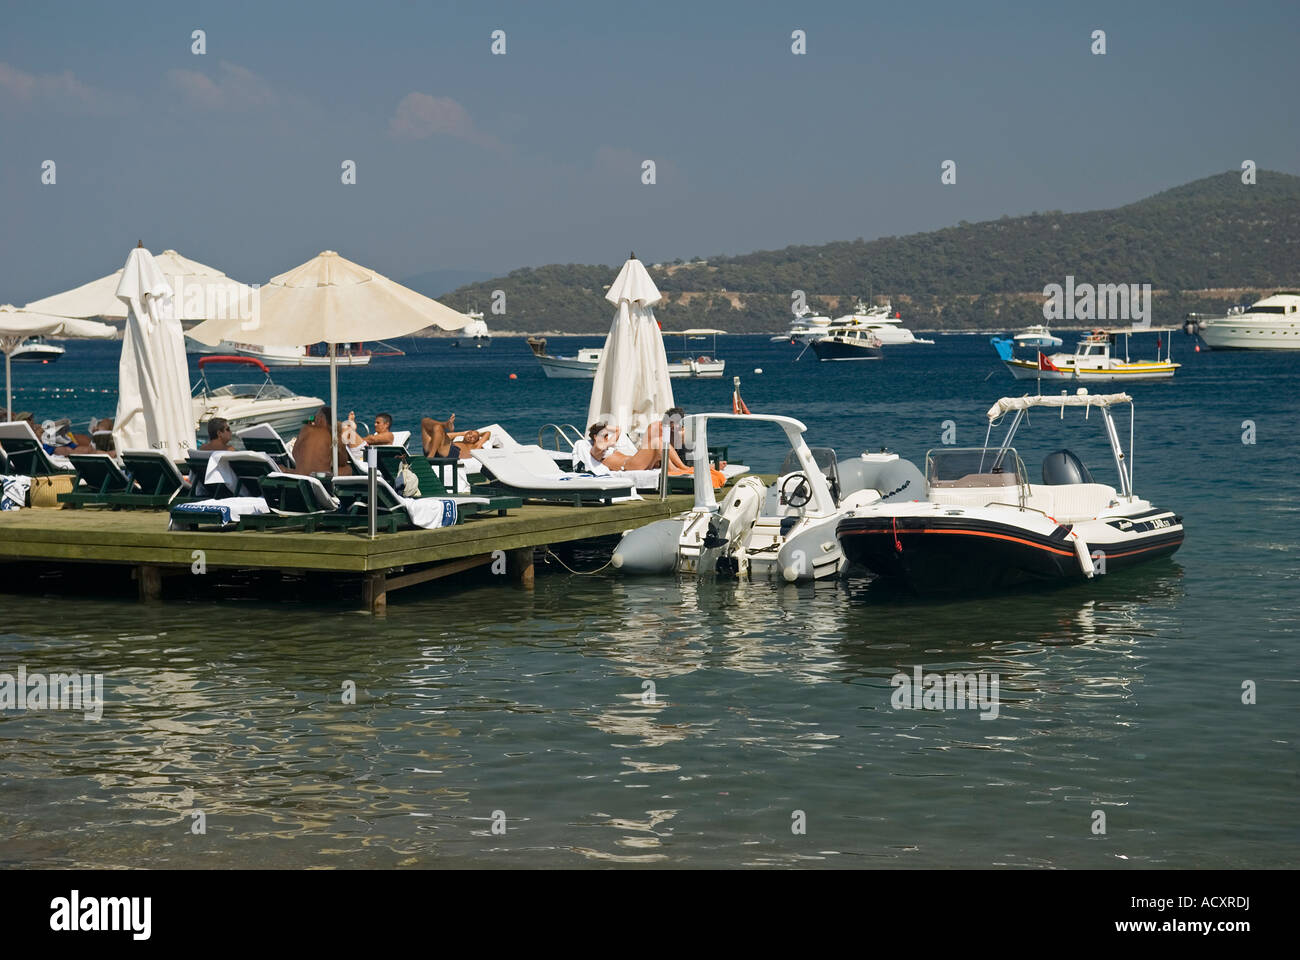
(514, 376)
(758, 369)
(1198, 348)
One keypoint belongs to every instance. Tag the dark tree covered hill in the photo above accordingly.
(1211, 234)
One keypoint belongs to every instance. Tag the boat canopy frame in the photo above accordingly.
(1103, 402)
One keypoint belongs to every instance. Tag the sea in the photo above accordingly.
(1145, 719)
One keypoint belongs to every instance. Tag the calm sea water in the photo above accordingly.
(478, 702)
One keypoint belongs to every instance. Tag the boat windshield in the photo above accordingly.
(1259, 309)
(974, 467)
(261, 391)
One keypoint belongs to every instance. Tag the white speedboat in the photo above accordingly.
(475, 333)
(1095, 359)
(583, 366)
(246, 404)
(977, 523)
(1269, 324)
(785, 531)
(1038, 337)
(37, 350)
(882, 320)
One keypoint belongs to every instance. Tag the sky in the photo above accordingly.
(470, 160)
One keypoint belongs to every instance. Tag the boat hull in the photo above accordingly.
(43, 353)
(1246, 333)
(831, 349)
(570, 368)
(1126, 372)
(938, 554)
(285, 418)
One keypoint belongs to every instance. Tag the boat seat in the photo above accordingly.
(1073, 502)
(977, 480)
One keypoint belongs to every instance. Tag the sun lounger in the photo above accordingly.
(223, 474)
(263, 438)
(531, 473)
(223, 513)
(98, 478)
(157, 480)
(391, 511)
(433, 485)
(26, 455)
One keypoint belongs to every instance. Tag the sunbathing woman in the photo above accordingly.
(437, 436)
(604, 437)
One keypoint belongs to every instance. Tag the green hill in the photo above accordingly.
(1216, 235)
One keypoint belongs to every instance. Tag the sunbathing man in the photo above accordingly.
(437, 436)
(383, 435)
(219, 434)
(311, 451)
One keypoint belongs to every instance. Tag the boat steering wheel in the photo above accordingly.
(801, 492)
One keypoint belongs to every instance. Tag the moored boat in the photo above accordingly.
(1269, 324)
(980, 524)
(1037, 336)
(37, 350)
(246, 404)
(847, 343)
(1095, 359)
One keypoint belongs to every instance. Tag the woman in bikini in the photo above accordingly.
(603, 438)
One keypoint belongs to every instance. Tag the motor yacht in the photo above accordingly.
(1269, 324)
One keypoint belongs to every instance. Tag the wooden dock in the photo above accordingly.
(140, 540)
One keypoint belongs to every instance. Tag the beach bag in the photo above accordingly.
(408, 484)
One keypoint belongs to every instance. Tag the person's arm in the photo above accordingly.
(381, 439)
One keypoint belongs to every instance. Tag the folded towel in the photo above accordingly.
(229, 509)
(13, 491)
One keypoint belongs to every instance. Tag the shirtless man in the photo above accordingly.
(436, 436)
(311, 451)
(219, 434)
(383, 435)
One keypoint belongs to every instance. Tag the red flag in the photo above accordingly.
(1045, 364)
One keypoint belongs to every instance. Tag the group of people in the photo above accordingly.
(58, 438)
(439, 438)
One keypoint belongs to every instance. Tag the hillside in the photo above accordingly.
(1211, 234)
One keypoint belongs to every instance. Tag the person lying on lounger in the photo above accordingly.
(603, 441)
(311, 451)
(437, 435)
(383, 435)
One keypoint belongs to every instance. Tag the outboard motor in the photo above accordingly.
(1062, 467)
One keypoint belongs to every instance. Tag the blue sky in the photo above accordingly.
(467, 160)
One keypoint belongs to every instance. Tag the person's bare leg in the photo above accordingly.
(435, 438)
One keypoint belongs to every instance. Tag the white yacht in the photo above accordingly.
(475, 333)
(1270, 324)
(805, 327)
(883, 320)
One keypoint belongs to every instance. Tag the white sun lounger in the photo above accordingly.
(530, 472)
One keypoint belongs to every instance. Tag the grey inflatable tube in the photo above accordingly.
(651, 549)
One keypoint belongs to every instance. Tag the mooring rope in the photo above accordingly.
(581, 573)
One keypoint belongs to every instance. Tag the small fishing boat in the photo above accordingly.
(785, 531)
(846, 343)
(245, 404)
(976, 523)
(1095, 359)
(1038, 337)
(37, 350)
